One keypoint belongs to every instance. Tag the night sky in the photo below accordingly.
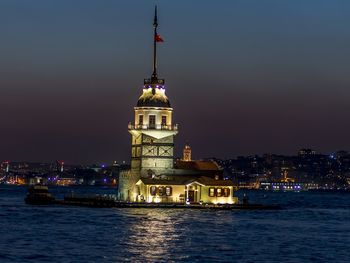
(244, 77)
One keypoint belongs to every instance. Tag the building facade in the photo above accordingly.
(181, 189)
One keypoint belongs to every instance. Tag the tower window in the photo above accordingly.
(152, 121)
(163, 120)
(140, 119)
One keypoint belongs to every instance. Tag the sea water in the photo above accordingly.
(311, 227)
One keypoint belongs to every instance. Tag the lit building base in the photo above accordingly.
(185, 189)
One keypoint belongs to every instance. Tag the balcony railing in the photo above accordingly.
(172, 127)
(154, 81)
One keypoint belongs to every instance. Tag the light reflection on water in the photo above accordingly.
(313, 227)
(153, 235)
(158, 235)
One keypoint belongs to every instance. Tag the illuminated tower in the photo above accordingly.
(152, 132)
(187, 152)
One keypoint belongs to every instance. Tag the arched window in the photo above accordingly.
(168, 191)
(219, 192)
(226, 192)
(161, 191)
(211, 191)
(153, 190)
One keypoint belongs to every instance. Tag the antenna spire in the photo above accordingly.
(156, 38)
(155, 25)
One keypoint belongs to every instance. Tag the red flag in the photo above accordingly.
(158, 38)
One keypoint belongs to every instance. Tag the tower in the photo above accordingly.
(152, 132)
(187, 152)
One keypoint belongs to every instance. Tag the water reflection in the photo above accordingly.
(153, 233)
(162, 235)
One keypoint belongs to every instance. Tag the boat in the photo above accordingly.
(38, 194)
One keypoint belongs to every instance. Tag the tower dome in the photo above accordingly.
(153, 96)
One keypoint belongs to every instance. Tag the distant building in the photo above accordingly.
(288, 186)
(306, 152)
(285, 178)
(5, 166)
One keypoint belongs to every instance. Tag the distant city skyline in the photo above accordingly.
(243, 77)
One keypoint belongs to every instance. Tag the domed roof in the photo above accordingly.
(153, 97)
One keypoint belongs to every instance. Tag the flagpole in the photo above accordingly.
(155, 25)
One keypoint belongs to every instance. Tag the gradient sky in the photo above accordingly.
(243, 77)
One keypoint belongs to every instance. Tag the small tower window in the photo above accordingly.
(152, 121)
(140, 119)
(163, 120)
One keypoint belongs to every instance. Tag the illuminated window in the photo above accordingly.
(153, 190)
(226, 192)
(168, 191)
(161, 191)
(140, 119)
(211, 192)
(218, 192)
